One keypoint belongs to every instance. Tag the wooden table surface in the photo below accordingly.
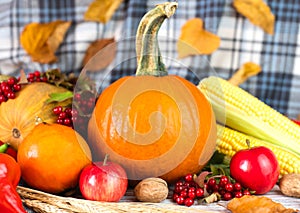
(274, 194)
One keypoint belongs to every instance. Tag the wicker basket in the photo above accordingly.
(46, 203)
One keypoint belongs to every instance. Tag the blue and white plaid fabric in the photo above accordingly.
(279, 55)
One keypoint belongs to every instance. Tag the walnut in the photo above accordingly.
(290, 185)
(152, 190)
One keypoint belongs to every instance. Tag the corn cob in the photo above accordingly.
(238, 109)
(230, 141)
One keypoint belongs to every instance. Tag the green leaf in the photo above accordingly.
(220, 169)
(217, 158)
(59, 97)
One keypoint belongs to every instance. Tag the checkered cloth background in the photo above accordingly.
(279, 55)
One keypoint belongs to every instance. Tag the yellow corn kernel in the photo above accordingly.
(230, 141)
(238, 109)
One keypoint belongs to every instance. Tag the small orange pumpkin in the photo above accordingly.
(52, 156)
(19, 115)
(153, 124)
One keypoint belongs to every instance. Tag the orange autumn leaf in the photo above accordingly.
(244, 72)
(99, 62)
(195, 40)
(41, 40)
(101, 10)
(256, 204)
(258, 13)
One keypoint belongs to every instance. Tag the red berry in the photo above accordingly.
(180, 200)
(30, 77)
(77, 97)
(11, 95)
(37, 74)
(199, 192)
(60, 121)
(183, 194)
(189, 201)
(62, 115)
(223, 180)
(16, 87)
(179, 183)
(2, 98)
(67, 122)
(229, 187)
(57, 110)
(227, 196)
(192, 194)
(189, 178)
(44, 79)
(237, 187)
(175, 196)
(5, 88)
(216, 188)
(246, 192)
(11, 81)
(238, 194)
(191, 189)
(186, 184)
(68, 111)
(211, 183)
(178, 189)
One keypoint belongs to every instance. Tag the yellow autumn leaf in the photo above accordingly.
(258, 13)
(195, 40)
(101, 10)
(244, 72)
(41, 40)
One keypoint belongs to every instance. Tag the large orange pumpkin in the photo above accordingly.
(19, 115)
(153, 124)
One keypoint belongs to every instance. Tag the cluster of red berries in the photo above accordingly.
(226, 188)
(186, 190)
(82, 102)
(8, 89)
(64, 116)
(11, 86)
(36, 76)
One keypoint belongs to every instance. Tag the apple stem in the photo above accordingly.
(105, 159)
(248, 143)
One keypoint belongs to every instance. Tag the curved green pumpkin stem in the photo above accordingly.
(149, 60)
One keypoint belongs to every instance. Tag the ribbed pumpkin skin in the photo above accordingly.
(153, 126)
(18, 116)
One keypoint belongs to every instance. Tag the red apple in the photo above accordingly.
(255, 168)
(103, 181)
